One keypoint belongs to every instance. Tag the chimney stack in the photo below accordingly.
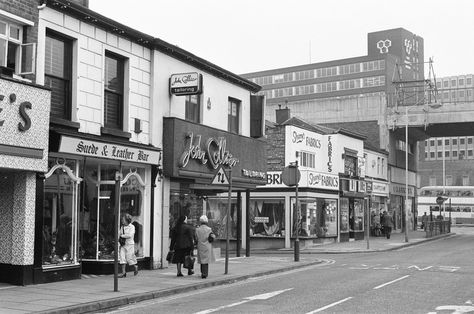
(282, 114)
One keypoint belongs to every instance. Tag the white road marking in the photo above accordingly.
(390, 282)
(160, 300)
(418, 268)
(330, 305)
(263, 296)
(458, 309)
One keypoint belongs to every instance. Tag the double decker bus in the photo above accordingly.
(459, 203)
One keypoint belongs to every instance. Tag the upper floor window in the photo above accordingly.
(113, 91)
(193, 108)
(13, 53)
(58, 74)
(350, 165)
(233, 115)
(307, 160)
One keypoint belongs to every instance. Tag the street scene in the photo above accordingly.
(208, 156)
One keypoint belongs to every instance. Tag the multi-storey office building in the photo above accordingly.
(355, 93)
(110, 86)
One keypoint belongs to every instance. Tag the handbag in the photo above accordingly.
(189, 262)
(211, 237)
(169, 256)
(122, 240)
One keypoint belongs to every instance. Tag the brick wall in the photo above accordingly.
(275, 148)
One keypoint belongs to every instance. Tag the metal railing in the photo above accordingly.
(437, 227)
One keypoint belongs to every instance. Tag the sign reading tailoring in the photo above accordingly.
(186, 84)
(89, 148)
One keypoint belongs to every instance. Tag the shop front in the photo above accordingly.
(397, 204)
(77, 202)
(352, 204)
(194, 155)
(24, 123)
(273, 215)
(379, 200)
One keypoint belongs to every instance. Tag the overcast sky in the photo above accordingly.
(252, 35)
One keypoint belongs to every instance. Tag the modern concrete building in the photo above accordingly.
(357, 93)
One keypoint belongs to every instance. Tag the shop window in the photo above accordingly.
(193, 108)
(58, 73)
(14, 54)
(318, 217)
(216, 211)
(97, 217)
(233, 115)
(113, 91)
(267, 217)
(60, 220)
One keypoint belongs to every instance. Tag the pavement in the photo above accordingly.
(96, 293)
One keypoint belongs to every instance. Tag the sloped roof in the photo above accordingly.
(94, 18)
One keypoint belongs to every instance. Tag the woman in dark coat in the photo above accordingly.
(182, 242)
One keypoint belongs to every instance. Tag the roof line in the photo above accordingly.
(94, 18)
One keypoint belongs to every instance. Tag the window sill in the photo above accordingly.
(115, 132)
(65, 123)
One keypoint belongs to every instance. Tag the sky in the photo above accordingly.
(244, 36)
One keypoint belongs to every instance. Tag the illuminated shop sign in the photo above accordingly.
(186, 84)
(109, 151)
(213, 153)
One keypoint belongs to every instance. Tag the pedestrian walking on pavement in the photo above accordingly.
(182, 241)
(204, 237)
(387, 222)
(127, 250)
(424, 220)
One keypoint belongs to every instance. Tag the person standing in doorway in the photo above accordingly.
(182, 242)
(204, 237)
(387, 222)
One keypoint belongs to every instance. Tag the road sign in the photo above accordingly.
(290, 175)
(440, 200)
(220, 178)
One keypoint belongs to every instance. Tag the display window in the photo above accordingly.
(358, 215)
(267, 217)
(344, 210)
(216, 211)
(318, 217)
(97, 216)
(60, 225)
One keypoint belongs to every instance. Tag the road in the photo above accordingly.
(435, 277)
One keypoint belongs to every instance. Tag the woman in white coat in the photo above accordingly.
(204, 247)
(127, 251)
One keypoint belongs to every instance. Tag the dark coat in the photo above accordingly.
(387, 220)
(182, 237)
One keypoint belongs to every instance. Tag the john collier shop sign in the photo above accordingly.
(109, 151)
(195, 151)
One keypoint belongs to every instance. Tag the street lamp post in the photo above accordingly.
(406, 174)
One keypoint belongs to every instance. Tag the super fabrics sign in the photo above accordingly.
(214, 152)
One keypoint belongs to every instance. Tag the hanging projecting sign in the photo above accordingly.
(105, 150)
(186, 84)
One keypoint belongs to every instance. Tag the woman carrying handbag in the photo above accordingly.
(182, 243)
(127, 246)
(204, 236)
